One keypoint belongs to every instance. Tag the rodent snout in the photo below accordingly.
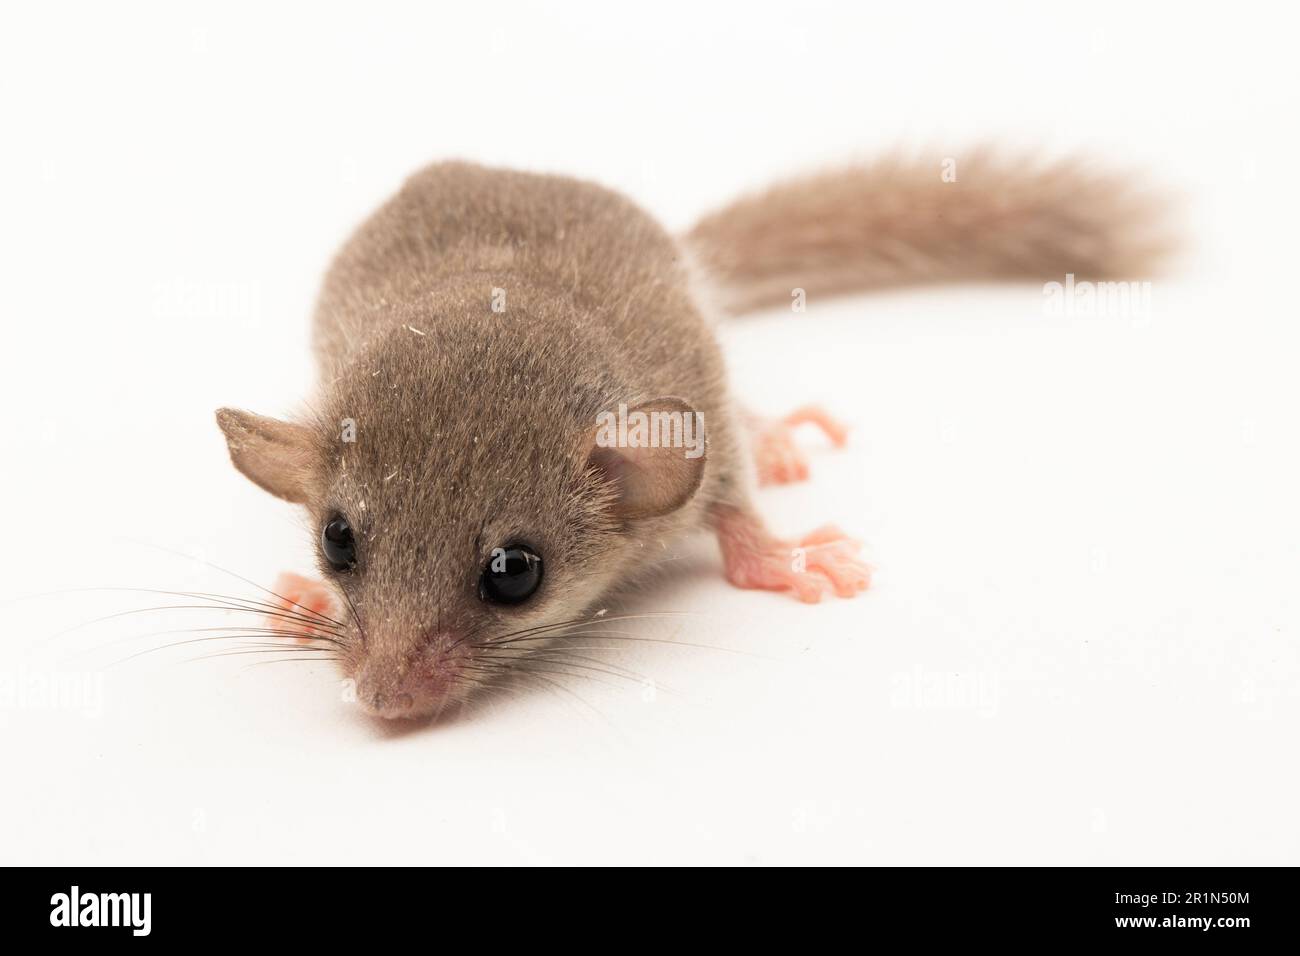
(416, 687)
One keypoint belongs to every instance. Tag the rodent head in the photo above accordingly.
(460, 513)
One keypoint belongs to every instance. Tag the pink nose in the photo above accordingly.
(420, 686)
(406, 698)
(379, 704)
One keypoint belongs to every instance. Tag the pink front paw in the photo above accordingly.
(300, 605)
(821, 561)
(778, 458)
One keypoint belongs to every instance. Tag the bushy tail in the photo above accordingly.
(900, 221)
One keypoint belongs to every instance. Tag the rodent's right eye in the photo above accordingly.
(338, 544)
(512, 574)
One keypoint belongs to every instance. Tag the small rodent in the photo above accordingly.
(481, 337)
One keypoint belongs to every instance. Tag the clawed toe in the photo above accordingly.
(777, 456)
(818, 562)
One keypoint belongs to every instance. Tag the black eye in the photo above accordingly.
(512, 574)
(337, 543)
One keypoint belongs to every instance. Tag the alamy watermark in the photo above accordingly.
(659, 428)
(1088, 299)
(75, 908)
(183, 298)
(941, 690)
(80, 692)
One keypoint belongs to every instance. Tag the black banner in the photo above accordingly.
(137, 907)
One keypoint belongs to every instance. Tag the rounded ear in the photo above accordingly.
(274, 455)
(652, 455)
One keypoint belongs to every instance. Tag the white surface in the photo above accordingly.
(1081, 646)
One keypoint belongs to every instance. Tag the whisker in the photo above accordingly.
(616, 636)
(586, 663)
(232, 633)
(525, 667)
(200, 640)
(240, 653)
(357, 617)
(183, 607)
(216, 567)
(581, 622)
(229, 600)
(556, 686)
(291, 660)
(285, 632)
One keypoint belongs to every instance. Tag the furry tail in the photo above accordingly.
(900, 221)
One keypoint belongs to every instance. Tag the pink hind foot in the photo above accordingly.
(299, 601)
(820, 561)
(778, 458)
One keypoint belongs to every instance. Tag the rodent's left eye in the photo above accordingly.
(512, 574)
(338, 544)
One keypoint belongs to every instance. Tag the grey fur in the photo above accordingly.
(473, 427)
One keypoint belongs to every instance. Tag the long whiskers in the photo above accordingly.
(246, 635)
(228, 632)
(357, 617)
(314, 627)
(224, 599)
(239, 577)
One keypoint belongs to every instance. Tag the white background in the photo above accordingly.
(1081, 643)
